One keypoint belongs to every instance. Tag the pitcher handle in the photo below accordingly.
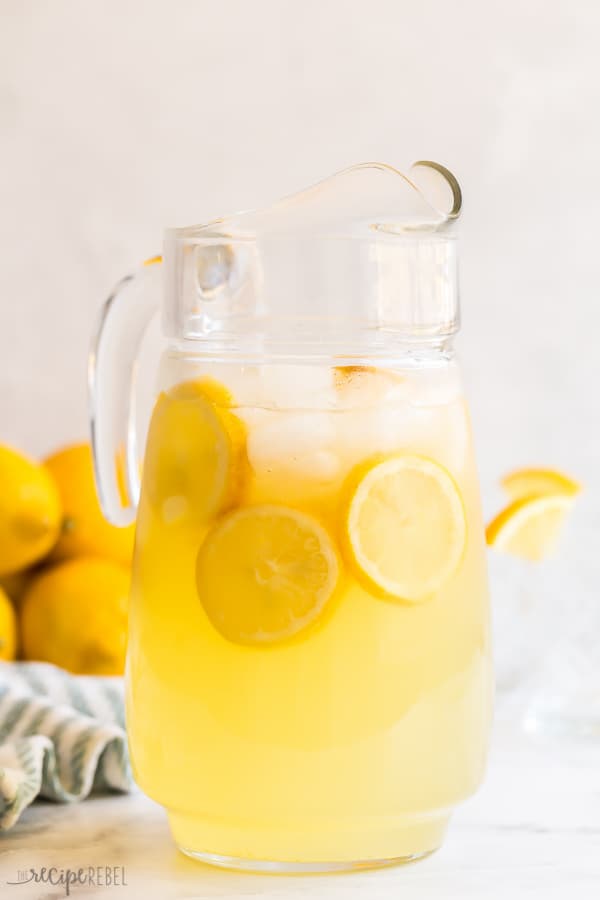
(112, 372)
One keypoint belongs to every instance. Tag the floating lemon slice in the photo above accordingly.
(195, 453)
(537, 482)
(264, 573)
(530, 527)
(206, 388)
(405, 527)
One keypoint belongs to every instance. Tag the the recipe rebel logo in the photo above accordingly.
(88, 876)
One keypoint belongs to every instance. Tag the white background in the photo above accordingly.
(118, 118)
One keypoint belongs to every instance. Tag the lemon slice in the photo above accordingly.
(195, 453)
(530, 527)
(265, 573)
(537, 482)
(405, 528)
(206, 388)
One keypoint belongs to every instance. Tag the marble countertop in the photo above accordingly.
(533, 831)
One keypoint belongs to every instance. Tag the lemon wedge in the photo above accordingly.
(538, 482)
(530, 527)
(405, 527)
(194, 464)
(265, 573)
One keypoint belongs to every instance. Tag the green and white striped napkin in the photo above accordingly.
(61, 737)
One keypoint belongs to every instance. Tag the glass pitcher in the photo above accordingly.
(308, 676)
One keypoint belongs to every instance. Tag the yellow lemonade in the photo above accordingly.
(309, 662)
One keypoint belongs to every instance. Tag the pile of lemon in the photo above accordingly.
(64, 570)
(531, 524)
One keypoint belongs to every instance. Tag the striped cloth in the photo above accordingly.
(61, 737)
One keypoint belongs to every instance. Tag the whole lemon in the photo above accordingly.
(74, 615)
(85, 531)
(30, 511)
(8, 628)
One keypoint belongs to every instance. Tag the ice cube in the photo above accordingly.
(323, 466)
(253, 416)
(296, 387)
(367, 386)
(434, 386)
(438, 432)
(272, 386)
(297, 443)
